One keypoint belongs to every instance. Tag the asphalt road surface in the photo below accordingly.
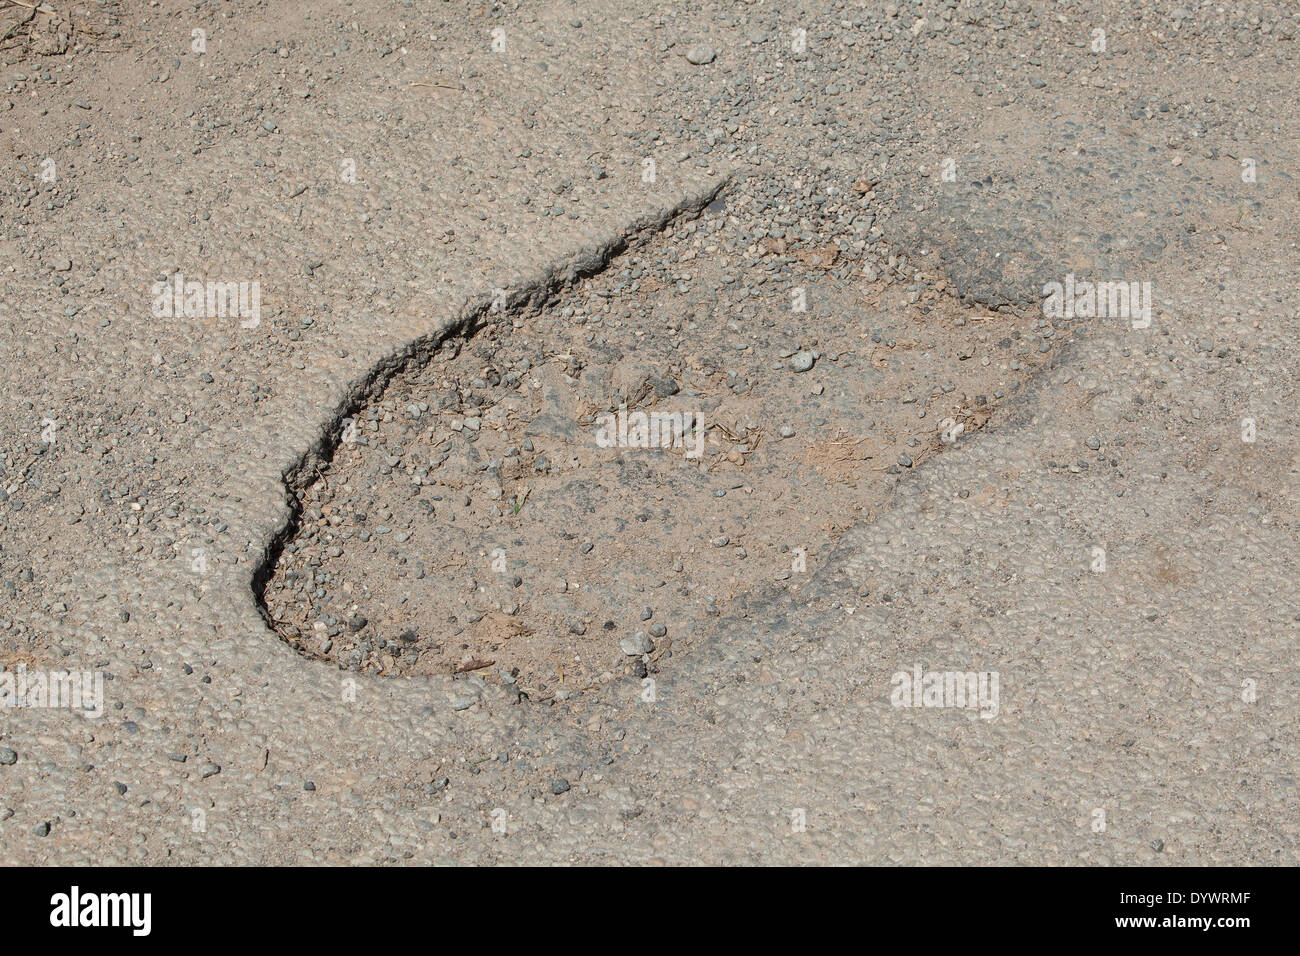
(986, 313)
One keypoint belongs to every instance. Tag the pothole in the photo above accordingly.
(573, 495)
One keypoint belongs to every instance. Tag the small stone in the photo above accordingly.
(637, 644)
(1093, 442)
(905, 460)
(42, 829)
(559, 785)
(8, 757)
(802, 362)
(664, 387)
(700, 54)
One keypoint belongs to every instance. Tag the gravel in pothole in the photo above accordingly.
(479, 518)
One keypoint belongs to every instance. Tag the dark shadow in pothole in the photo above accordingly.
(1005, 226)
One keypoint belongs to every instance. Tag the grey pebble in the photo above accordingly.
(700, 54)
(802, 362)
(637, 644)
